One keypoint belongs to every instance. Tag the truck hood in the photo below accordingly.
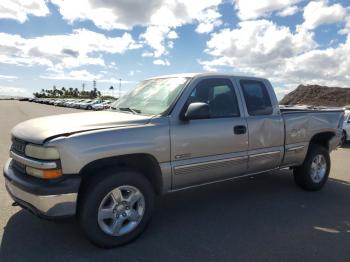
(40, 129)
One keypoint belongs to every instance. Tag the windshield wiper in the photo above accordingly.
(132, 110)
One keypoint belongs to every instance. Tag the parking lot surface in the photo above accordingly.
(260, 218)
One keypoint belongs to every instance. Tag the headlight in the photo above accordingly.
(40, 152)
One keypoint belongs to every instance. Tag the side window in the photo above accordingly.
(219, 94)
(256, 98)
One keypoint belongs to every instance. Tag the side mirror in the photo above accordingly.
(196, 111)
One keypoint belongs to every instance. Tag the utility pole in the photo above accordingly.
(94, 84)
(120, 87)
(83, 87)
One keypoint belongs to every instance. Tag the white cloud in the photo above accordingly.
(20, 9)
(155, 37)
(252, 9)
(173, 14)
(78, 75)
(288, 59)
(208, 20)
(161, 62)
(207, 27)
(346, 29)
(13, 91)
(328, 66)
(147, 54)
(113, 66)
(172, 35)
(159, 39)
(317, 13)
(108, 14)
(291, 10)
(62, 51)
(160, 17)
(8, 77)
(257, 43)
(133, 72)
(83, 75)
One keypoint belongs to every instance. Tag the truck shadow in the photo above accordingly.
(251, 219)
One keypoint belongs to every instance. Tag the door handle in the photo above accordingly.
(239, 130)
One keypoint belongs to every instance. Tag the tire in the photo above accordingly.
(95, 193)
(304, 175)
(89, 108)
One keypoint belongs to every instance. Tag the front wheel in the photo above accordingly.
(115, 207)
(313, 173)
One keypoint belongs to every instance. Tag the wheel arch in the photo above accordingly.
(146, 164)
(322, 138)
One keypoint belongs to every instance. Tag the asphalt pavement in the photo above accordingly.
(259, 218)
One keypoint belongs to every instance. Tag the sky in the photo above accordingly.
(70, 42)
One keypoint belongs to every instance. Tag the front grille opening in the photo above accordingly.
(18, 146)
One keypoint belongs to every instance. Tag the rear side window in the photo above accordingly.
(256, 98)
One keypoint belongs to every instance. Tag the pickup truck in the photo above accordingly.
(169, 133)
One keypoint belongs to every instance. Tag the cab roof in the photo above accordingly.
(203, 74)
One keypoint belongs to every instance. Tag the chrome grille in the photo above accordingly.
(18, 146)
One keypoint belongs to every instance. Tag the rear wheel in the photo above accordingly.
(313, 173)
(115, 207)
(89, 107)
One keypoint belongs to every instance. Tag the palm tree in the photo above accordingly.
(54, 91)
(76, 92)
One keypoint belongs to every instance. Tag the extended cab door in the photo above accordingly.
(265, 124)
(205, 150)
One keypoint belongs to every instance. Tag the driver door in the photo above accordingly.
(206, 150)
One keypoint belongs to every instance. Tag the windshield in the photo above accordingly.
(153, 96)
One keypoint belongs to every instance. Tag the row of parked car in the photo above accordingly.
(88, 104)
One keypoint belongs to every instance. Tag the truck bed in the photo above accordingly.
(302, 123)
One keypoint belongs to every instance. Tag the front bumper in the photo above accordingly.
(47, 199)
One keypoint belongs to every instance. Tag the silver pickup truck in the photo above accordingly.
(170, 133)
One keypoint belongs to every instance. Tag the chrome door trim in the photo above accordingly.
(222, 180)
(211, 162)
(190, 174)
(295, 148)
(266, 153)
